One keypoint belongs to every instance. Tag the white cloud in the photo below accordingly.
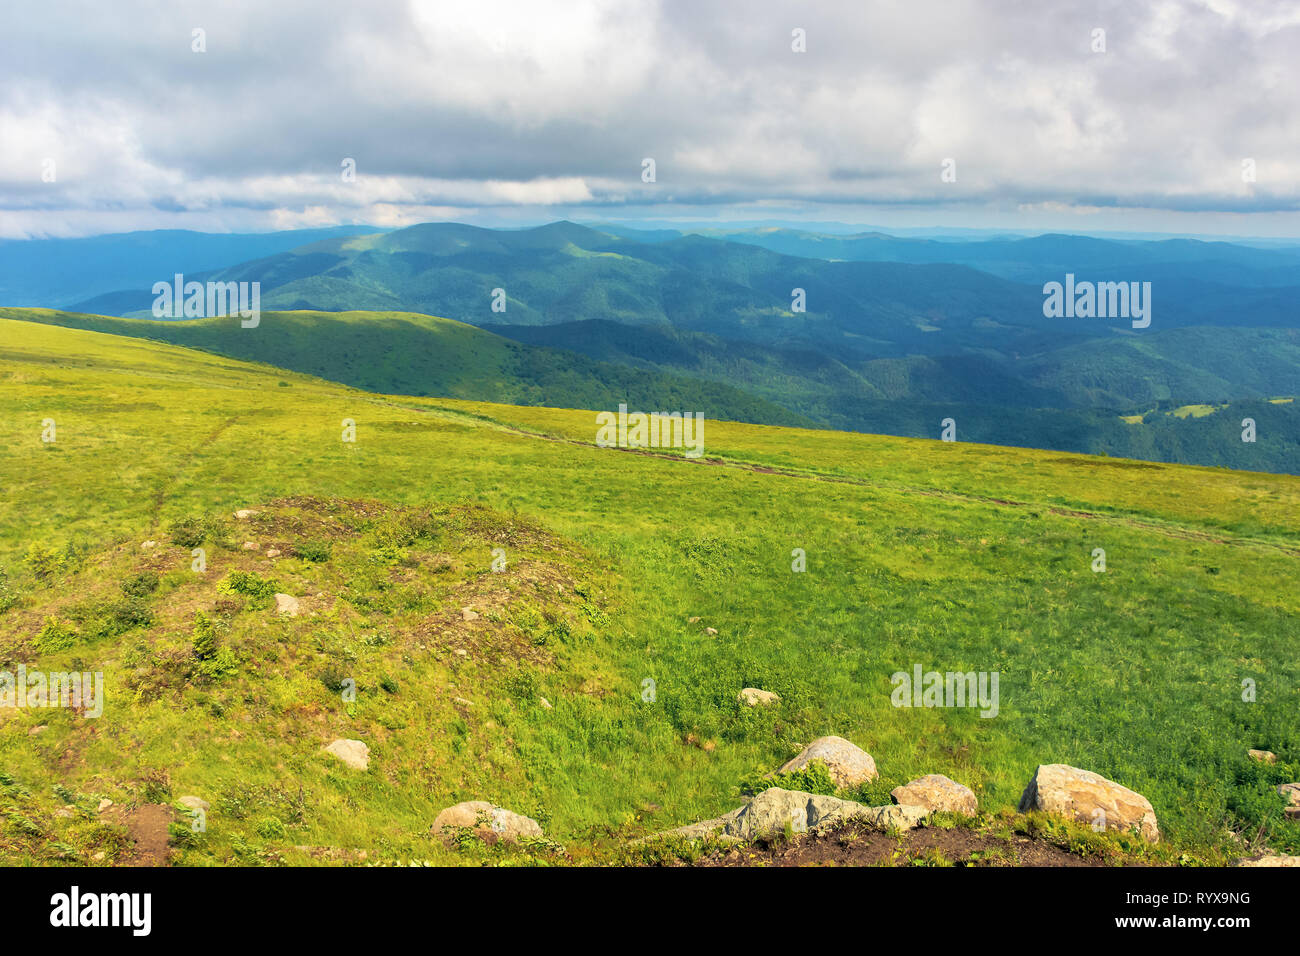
(550, 107)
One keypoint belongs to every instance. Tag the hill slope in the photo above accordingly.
(403, 353)
(947, 556)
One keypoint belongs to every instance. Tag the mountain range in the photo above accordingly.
(894, 334)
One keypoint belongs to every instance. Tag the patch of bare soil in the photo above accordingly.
(147, 827)
(853, 844)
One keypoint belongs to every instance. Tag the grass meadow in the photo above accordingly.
(957, 557)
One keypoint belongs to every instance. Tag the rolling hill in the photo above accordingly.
(410, 354)
(898, 335)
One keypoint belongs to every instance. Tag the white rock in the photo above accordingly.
(468, 614)
(753, 697)
(194, 803)
(1271, 860)
(934, 791)
(1089, 798)
(286, 604)
(273, 553)
(243, 513)
(354, 753)
(848, 764)
(489, 823)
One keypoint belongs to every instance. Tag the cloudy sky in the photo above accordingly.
(517, 112)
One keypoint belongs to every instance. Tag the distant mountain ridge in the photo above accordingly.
(889, 339)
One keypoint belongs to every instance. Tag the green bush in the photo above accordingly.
(140, 585)
(8, 598)
(248, 583)
(317, 551)
(103, 620)
(47, 563)
(190, 531)
(814, 778)
(204, 638)
(270, 828)
(55, 635)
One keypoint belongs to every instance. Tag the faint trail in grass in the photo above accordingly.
(168, 481)
(1168, 529)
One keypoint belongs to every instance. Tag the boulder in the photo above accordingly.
(934, 791)
(194, 803)
(1291, 792)
(1262, 756)
(354, 753)
(490, 823)
(849, 765)
(1270, 860)
(286, 604)
(768, 813)
(1089, 798)
(753, 697)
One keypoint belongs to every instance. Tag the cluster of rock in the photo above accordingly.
(775, 809)
(1055, 788)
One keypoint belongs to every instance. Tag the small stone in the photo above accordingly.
(149, 544)
(1262, 756)
(193, 803)
(104, 804)
(243, 513)
(711, 631)
(98, 857)
(753, 697)
(546, 704)
(354, 753)
(468, 614)
(693, 620)
(273, 553)
(286, 604)
(38, 729)
(249, 545)
(461, 652)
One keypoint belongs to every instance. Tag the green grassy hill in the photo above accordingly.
(950, 556)
(410, 354)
